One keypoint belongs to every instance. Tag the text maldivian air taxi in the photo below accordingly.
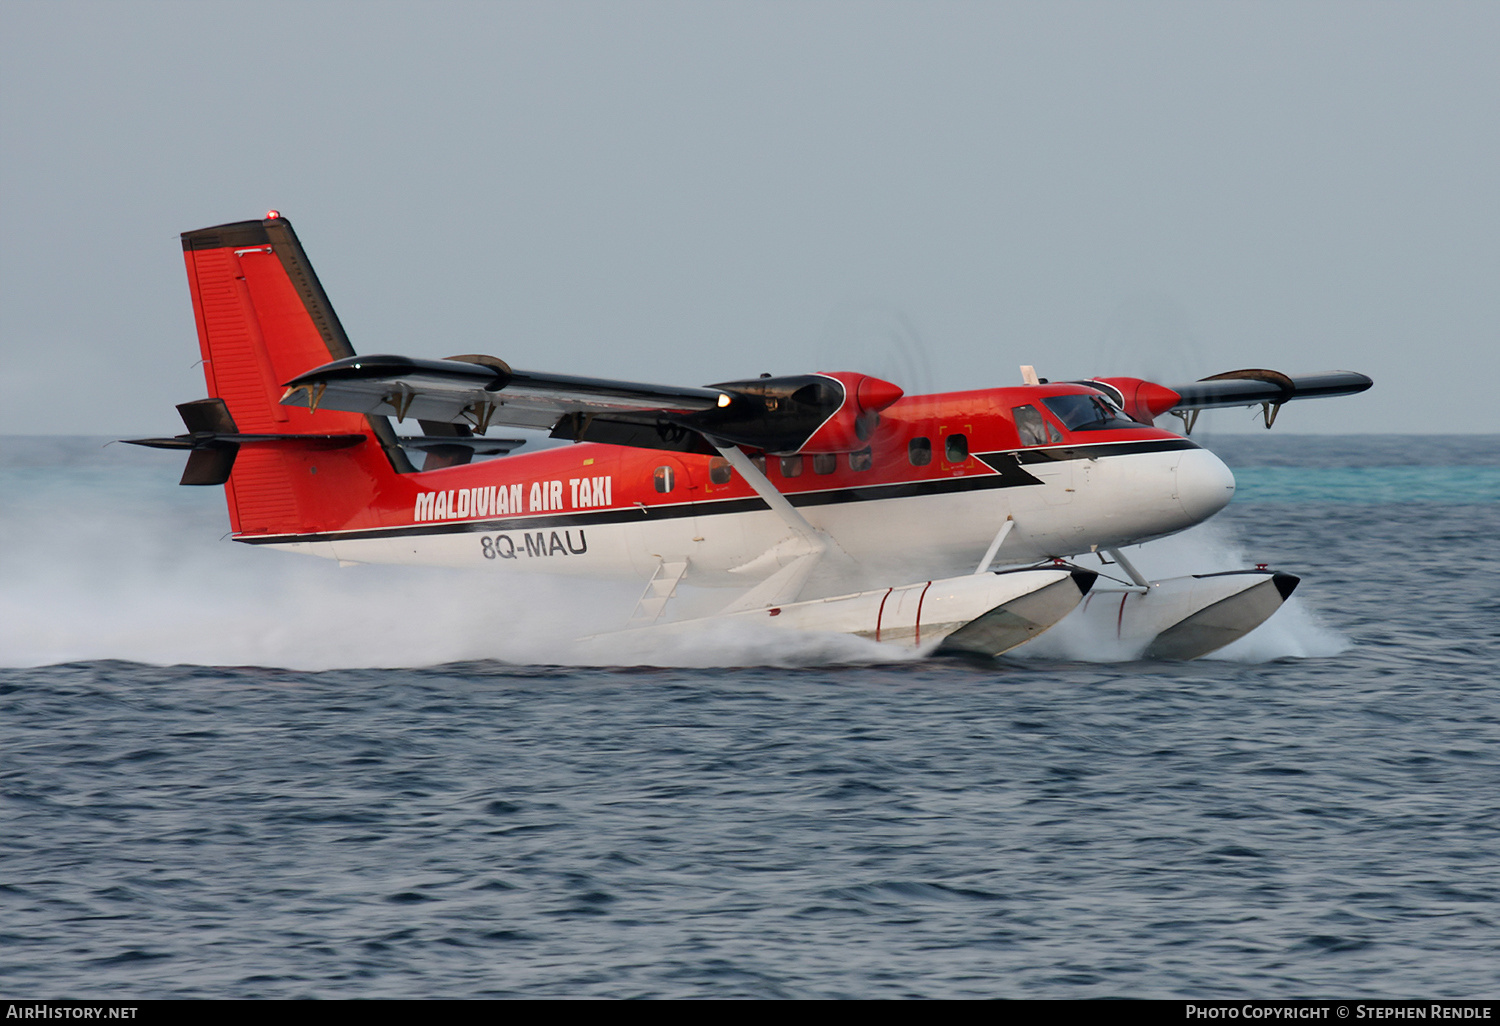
(828, 501)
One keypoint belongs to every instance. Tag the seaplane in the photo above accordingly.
(963, 524)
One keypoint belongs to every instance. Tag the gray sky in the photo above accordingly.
(691, 192)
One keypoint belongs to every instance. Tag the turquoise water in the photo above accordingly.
(1452, 485)
(1362, 469)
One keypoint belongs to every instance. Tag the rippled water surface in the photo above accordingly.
(213, 782)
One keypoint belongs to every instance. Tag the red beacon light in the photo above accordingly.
(272, 215)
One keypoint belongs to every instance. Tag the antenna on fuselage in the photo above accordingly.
(1028, 375)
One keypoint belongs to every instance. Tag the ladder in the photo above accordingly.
(659, 590)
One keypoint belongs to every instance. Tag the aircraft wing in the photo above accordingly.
(833, 412)
(483, 390)
(1249, 387)
(1145, 400)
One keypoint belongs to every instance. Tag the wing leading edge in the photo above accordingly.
(476, 392)
(1269, 389)
(1247, 387)
(779, 415)
(479, 391)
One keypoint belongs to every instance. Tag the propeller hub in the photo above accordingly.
(874, 395)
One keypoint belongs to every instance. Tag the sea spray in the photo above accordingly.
(1294, 630)
(106, 558)
(115, 561)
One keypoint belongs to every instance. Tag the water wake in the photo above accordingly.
(98, 565)
(1293, 631)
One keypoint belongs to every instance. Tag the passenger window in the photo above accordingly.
(956, 448)
(919, 451)
(862, 460)
(825, 463)
(791, 466)
(760, 463)
(664, 479)
(719, 470)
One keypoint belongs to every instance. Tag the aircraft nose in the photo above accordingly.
(1204, 484)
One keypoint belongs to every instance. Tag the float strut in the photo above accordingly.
(1130, 570)
(989, 553)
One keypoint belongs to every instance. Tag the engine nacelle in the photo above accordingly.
(853, 423)
(1143, 400)
(811, 413)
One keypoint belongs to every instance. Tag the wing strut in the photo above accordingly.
(767, 491)
(808, 548)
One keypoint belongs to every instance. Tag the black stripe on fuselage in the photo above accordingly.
(1007, 467)
(1063, 453)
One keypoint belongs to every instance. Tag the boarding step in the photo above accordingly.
(659, 591)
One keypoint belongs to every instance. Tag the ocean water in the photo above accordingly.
(233, 773)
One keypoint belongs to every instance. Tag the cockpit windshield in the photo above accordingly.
(1089, 413)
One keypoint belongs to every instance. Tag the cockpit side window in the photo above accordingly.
(1032, 428)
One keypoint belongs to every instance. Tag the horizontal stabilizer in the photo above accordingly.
(208, 440)
(214, 441)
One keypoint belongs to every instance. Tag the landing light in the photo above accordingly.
(724, 401)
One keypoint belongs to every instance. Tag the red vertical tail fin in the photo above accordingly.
(263, 318)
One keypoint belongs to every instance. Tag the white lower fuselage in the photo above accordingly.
(1108, 495)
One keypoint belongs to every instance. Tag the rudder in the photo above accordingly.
(263, 318)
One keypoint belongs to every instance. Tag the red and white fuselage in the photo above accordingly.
(938, 481)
